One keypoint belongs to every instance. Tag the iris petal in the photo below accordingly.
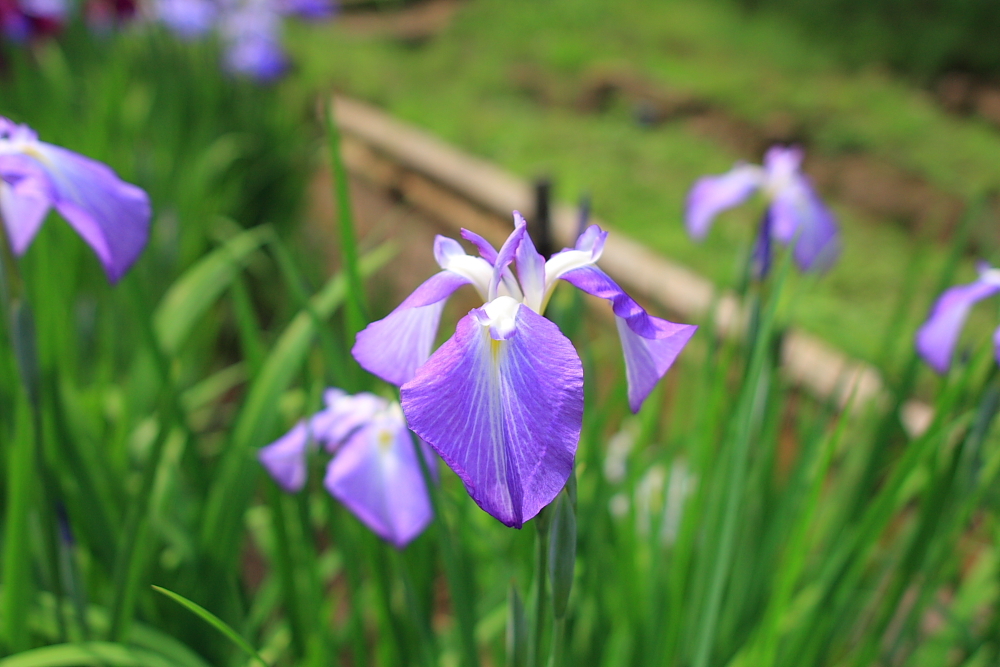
(451, 256)
(377, 476)
(344, 415)
(285, 458)
(530, 269)
(112, 216)
(650, 344)
(799, 215)
(395, 346)
(937, 338)
(505, 415)
(23, 207)
(712, 195)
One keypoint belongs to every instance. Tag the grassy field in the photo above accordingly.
(460, 86)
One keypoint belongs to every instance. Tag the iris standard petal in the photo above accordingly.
(451, 256)
(937, 338)
(650, 344)
(285, 458)
(505, 256)
(377, 476)
(504, 415)
(395, 346)
(112, 216)
(530, 269)
(711, 195)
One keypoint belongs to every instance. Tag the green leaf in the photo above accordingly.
(233, 487)
(212, 620)
(200, 286)
(87, 654)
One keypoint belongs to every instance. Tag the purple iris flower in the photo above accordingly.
(188, 19)
(502, 400)
(937, 338)
(374, 472)
(795, 212)
(252, 34)
(110, 215)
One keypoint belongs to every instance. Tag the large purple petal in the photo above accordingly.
(650, 344)
(377, 476)
(711, 195)
(505, 415)
(394, 347)
(285, 458)
(112, 216)
(937, 338)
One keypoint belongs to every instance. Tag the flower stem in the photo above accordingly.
(541, 570)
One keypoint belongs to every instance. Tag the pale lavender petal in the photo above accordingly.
(377, 476)
(112, 216)
(309, 9)
(394, 347)
(530, 268)
(24, 203)
(285, 458)
(711, 195)
(188, 18)
(485, 248)
(504, 415)
(589, 247)
(763, 252)
(782, 163)
(937, 338)
(648, 359)
(798, 215)
(262, 58)
(650, 344)
(504, 259)
(451, 256)
(344, 415)
(996, 345)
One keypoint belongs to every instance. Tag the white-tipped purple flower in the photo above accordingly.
(795, 212)
(502, 400)
(111, 216)
(937, 338)
(374, 472)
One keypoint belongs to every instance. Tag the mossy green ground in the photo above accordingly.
(459, 86)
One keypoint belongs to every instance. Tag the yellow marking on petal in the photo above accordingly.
(385, 439)
(495, 348)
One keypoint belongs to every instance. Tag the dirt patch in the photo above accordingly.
(415, 23)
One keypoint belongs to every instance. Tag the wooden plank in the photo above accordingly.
(464, 191)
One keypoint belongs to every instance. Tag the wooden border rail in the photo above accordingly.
(464, 191)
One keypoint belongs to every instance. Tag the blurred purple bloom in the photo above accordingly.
(374, 472)
(795, 212)
(110, 215)
(252, 37)
(502, 400)
(188, 18)
(937, 338)
(311, 10)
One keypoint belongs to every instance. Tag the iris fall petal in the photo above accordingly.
(505, 415)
